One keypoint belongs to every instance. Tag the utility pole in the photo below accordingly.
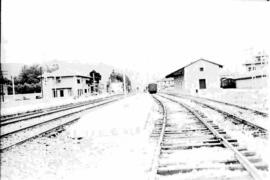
(94, 82)
(124, 83)
(2, 73)
(41, 82)
(13, 87)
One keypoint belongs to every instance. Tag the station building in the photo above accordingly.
(200, 75)
(65, 83)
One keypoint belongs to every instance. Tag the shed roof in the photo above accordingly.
(181, 70)
(64, 72)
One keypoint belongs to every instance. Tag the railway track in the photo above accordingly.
(13, 118)
(256, 112)
(191, 146)
(231, 116)
(29, 127)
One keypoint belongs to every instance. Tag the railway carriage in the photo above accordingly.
(227, 83)
(152, 88)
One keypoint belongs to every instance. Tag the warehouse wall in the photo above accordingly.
(211, 74)
(255, 83)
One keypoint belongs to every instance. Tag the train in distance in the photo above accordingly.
(152, 88)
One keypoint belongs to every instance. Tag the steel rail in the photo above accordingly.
(251, 169)
(49, 109)
(228, 115)
(264, 114)
(38, 135)
(45, 111)
(159, 143)
(54, 119)
(54, 110)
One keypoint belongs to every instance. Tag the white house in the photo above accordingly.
(116, 87)
(257, 63)
(197, 76)
(256, 75)
(65, 83)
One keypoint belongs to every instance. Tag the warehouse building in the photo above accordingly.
(200, 75)
(65, 83)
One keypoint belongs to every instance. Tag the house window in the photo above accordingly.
(58, 80)
(78, 81)
(201, 68)
(249, 68)
(85, 90)
(202, 84)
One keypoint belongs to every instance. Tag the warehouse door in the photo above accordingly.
(202, 83)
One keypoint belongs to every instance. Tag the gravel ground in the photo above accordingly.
(109, 143)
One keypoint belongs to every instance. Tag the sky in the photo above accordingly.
(145, 36)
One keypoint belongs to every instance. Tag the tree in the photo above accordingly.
(95, 77)
(51, 68)
(28, 80)
(4, 80)
(30, 74)
(118, 77)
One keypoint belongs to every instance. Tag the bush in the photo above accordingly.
(25, 88)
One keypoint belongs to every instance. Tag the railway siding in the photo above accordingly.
(238, 116)
(193, 143)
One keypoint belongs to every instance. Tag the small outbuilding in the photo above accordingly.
(199, 75)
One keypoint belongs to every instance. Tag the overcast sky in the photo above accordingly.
(149, 36)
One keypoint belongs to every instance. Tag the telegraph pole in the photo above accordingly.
(13, 87)
(2, 73)
(94, 82)
(124, 83)
(41, 82)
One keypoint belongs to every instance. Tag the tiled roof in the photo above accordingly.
(65, 72)
(181, 70)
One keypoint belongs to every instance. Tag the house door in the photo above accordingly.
(202, 84)
(61, 93)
